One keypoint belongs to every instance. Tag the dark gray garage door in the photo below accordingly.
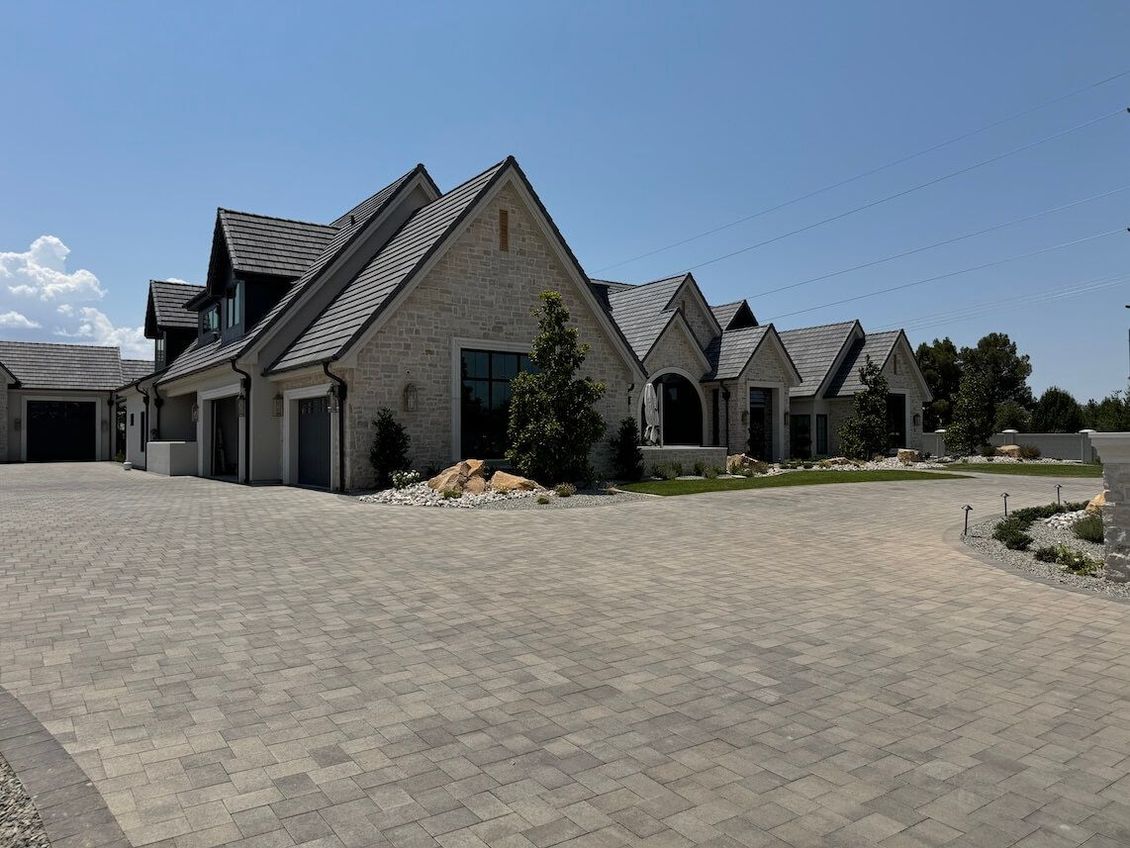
(314, 442)
(61, 431)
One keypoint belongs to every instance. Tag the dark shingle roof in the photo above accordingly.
(39, 365)
(135, 369)
(168, 300)
(737, 312)
(876, 345)
(373, 202)
(729, 352)
(639, 311)
(199, 356)
(359, 302)
(261, 244)
(814, 351)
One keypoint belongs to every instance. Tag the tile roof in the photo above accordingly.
(281, 247)
(814, 351)
(135, 369)
(200, 355)
(639, 310)
(727, 312)
(729, 352)
(39, 365)
(169, 299)
(360, 301)
(876, 345)
(373, 202)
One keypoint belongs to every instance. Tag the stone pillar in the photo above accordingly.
(1114, 451)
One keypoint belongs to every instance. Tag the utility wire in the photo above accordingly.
(914, 188)
(945, 276)
(942, 243)
(871, 171)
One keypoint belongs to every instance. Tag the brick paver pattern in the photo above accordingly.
(795, 667)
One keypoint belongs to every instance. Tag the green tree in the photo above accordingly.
(389, 451)
(1109, 415)
(627, 457)
(1013, 416)
(940, 365)
(553, 420)
(973, 414)
(1005, 369)
(865, 433)
(1057, 411)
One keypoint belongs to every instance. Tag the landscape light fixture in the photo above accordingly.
(1058, 501)
(968, 509)
(1005, 496)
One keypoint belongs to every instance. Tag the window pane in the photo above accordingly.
(476, 363)
(503, 365)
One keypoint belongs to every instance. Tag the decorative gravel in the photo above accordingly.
(421, 494)
(599, 496)
(20, 824)
(980, 538)
(1010, 460)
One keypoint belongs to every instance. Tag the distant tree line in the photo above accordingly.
(984, 389)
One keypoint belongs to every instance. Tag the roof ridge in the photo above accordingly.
(177, 283)
(821, 326)
(394, 185)
(277, 218)
(62, 344)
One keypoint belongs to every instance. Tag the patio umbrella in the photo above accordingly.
(651, 415)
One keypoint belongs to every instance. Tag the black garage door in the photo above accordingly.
(314, 442)
(61, 430)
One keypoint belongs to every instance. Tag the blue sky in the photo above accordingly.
(640, 124)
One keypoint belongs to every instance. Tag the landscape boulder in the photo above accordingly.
(502, 482)
(1097, 503)
(456, 477)
(1009, 450)
(908, 456)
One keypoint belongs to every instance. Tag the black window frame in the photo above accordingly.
(482, 432)
(821, 434)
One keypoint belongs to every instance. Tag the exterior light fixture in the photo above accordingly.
(1058, 501)
(277, 407)
(195, 412)
(968, 509)
(17, 424)
(917, 420)
(411, 397)
(786, 418)
(334, 405)
(1005, 496)
(241, 404)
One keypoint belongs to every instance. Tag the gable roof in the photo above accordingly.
(41, 365)
(135, 369)
(167, 307)
(360, 301)
(738, 312)
(814, 351)
(261, 244)
(202, 354)
(374, 202)
(639, 311)
(730, 353)
(876, 345)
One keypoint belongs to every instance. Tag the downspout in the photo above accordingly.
(158, 402)
(246, 419)
(341, 392)
(145, 427)
(726, 407)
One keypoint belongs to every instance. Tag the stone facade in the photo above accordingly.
(700, 323)
(675, 349)
(478, 292)
(903, 382)
(1114, 451)
(686, 456)
(3, 421)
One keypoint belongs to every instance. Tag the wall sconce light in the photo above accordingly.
(105, 426)
(333, 398)
(195, 412)
(917, 420)
(410, 397)
(17, 424)
(277, 408)
(241, 404)
(786, 418)
(745, 416)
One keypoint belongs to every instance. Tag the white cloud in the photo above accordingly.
(15, 319)
(37, 291)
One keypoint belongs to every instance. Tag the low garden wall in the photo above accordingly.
(687, 456)
(1114, 451)
(1075, 446)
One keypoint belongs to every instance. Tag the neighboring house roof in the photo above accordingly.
(168, 306)
(260, 244)
(814, 351)
(639, 311)
(876, 345)
(393, 267)
(134, 369)
(39, 365)
(202, 354)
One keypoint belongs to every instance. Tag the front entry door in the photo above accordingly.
(314, 442)
(760, 424)
(896, 420)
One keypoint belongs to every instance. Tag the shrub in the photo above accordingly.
(389, 452)
(806, 465)
(1029, 515)
(664, 470)
(404, 479)
(759, 467)
(543, 500)
(864, 433)
(1077, 562)
(700, 468)
(711, 472)
(1048, 553)
(1011, 534)
(1089, 528)
(627, 458)
(988, 452)
(565, 490)
(677, 467)
(1029, 452)
(451, 494)
(553, 418)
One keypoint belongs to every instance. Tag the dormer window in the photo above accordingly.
(159, 353)
(233, 305)
(210, 319)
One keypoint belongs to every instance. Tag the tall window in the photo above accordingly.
(485, 405)
(159, 354)
(233, 305)
(210, 320)
(822, 435)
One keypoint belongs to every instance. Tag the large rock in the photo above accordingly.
(500, 481)
(455, 477)
(1097, 503)
(908, 456)
(1009, 450)
(475, 485)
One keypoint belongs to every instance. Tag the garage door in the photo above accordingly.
(61, 430)
(314, 442)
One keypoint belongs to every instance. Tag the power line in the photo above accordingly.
(918, 187)
(942, 243)
(871, 171)
(921, 282)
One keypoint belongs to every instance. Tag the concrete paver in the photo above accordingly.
(791, 667)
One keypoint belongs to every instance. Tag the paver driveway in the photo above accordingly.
(798, 667)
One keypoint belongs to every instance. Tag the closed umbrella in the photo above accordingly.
(651, 415)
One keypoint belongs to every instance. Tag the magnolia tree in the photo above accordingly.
(553, 419)
(864, 434)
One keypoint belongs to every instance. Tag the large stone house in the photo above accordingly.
(422, 301)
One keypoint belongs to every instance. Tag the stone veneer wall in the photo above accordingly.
(765, 369)
(687, 456)
(701, 325)
(904, 383)
(1114, 451)
(475, 291)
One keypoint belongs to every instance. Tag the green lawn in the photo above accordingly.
(1030, 469)
(792, 478)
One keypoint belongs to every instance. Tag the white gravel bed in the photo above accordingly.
(1009, 460)
(981, 539)
(1065, 521)
(594, 497)
(20, 824)
(421, 494)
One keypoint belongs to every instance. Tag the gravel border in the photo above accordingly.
(421, 495)
(583, 499)
(980, 539)
(20, 823)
